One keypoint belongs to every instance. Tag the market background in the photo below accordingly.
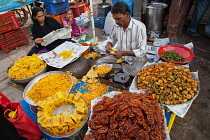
(196, 123)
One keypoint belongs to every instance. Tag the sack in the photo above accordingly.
(24, 125)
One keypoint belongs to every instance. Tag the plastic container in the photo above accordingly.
(128, 2)
(155, 15)
(181, 50)
(53, 1)
(57, 17)
(99, 22)
(103, 10)
(81, 7)
(13, 39)
(57, 8)
(85, 52)
(87, 8)
(78, 9)
(8, 22)
(75, 11)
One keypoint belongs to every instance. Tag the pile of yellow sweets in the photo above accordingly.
(102, 69)
(62, 123)
(26, 67)
(48, 86)
(66, 54)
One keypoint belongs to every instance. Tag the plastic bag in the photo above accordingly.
(24, 125)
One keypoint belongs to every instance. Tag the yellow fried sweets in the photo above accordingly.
(66, 54)
(102, 69)
(64, 122)
(26, 67)
(92, 55)
(48, 86)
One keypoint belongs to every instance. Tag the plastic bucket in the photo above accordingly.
(155, 15)
(85, 52)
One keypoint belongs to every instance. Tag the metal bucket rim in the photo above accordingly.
(163, 5)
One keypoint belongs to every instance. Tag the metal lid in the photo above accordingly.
(158, 5)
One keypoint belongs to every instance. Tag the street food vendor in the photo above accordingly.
(128, 37)
(42, 26)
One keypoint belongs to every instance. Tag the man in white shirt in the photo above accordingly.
(128, 36)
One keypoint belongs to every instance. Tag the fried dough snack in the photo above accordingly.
(127, 116)
(168, 83)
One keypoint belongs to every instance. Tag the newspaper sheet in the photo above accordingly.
(62, 33)
(53, 59)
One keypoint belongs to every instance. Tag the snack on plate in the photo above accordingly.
(102, 69)
(127, 116)
(48, 86)
(168, 83)
(172, 56)
(62, 123)
(66, 54)
(26, 67)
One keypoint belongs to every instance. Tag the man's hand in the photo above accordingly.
(39, 40)
(118, 54)
(66, 26)
(108, 47)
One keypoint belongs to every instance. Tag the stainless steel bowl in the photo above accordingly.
(27, 80)
(104, 74)
(85, 25)
(36, 79)
(69, 135)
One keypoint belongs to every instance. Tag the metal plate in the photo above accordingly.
(69, 134)
(35, 80)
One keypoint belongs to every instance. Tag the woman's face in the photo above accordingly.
(69, 14)
(40, 17)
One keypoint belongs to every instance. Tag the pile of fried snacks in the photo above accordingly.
(26, 67)
(168, 83)
(66, 54)
(102, 69)
(48, 86)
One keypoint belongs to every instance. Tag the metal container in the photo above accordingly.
(77, 133)
(104, 74)
(34, 81)
(85, 25)
(27, 80)
(155, 15)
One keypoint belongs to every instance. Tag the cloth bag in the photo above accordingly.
(24, 125)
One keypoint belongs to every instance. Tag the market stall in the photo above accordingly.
(104, 103)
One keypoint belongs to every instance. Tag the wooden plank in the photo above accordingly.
(177, 14)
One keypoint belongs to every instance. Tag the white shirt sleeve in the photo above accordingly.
(112, 37)
(142, 41)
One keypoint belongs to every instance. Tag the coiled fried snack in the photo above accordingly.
(126, 116)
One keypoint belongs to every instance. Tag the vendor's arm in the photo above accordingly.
(112, 40)
(142, 42)
(119, 54)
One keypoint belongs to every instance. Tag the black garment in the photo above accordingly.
(7, 130)
(50, 24)
(39, 31)
(49, 47)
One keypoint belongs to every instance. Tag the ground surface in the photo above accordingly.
(194, 126)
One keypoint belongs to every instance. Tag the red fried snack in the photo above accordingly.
(127, 116)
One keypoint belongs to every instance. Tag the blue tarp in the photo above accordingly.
(13, 5)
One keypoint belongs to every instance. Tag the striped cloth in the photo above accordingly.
(132, 39)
